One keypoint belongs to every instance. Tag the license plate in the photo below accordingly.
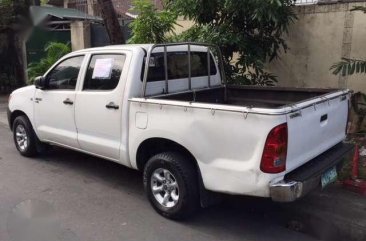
(329, 177)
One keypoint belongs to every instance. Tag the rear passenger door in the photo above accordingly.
(98, 108)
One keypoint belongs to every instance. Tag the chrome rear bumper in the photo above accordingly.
(306, 178)
(289, 191)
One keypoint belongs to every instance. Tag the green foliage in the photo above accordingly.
(14, 15)
(151, 26)
(6, 11)
(258, 77)
(14, 20)
(349, 67)
(359, 8)
(249, 33)
(54, 52)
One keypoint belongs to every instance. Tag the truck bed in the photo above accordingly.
(259, 97)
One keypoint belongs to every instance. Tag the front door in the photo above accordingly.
(98, 108)
(54, 106)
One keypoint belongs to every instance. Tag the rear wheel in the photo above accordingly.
(171, 185)
(24, 137)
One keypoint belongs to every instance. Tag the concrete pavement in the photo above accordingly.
(99, 200)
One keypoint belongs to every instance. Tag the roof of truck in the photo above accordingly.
(116, 47)
(144, 46)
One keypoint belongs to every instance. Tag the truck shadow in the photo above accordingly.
(236, 218)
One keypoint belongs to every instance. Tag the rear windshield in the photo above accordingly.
(178, 66)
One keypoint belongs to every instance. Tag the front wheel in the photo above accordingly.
(171, 185)
(24, 137)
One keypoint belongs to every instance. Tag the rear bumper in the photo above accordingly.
(302, 180)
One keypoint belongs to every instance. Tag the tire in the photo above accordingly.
(183, 181)
(24, 136)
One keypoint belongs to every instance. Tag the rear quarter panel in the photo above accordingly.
(227, 146)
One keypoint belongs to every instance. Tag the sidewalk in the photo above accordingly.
(332, 214)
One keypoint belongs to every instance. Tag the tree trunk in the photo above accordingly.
(111, 22)
(19, 59)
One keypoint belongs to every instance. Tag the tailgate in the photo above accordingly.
(317, 126)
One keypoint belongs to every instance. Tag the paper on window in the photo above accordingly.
(103, 68)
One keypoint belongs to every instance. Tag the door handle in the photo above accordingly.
(112, 105)
(323, 117)
(68, 102)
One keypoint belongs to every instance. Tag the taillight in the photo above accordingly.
(275, 150)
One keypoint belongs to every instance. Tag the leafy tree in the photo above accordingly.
(54, 52)
(14, 23)
(151, 25)
(249, 33)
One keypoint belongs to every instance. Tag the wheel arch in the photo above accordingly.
(13, 115)
(153, 146)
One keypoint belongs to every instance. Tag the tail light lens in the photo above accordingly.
(275, 150)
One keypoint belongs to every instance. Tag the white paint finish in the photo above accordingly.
(54, 121)
(308, 137)
(22, 100)
(178, 85)
(224, 143)
(99, 128)
(227, 141)
(141, 120)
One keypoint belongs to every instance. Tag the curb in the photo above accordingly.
(325, 226)
(333, 214)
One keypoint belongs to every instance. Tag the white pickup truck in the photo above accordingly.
(167, 111)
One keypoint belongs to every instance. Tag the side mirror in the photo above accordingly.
(40, 82)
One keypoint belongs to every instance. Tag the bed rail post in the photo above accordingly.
(208, 67)
(166, 70)
(222, 72)
(189, 67)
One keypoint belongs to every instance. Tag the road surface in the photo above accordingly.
(97, 200)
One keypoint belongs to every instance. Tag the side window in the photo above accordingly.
(104, 72)
(178, 66)
(65, 74)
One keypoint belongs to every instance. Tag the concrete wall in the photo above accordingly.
(321, 36)
(183, 24)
